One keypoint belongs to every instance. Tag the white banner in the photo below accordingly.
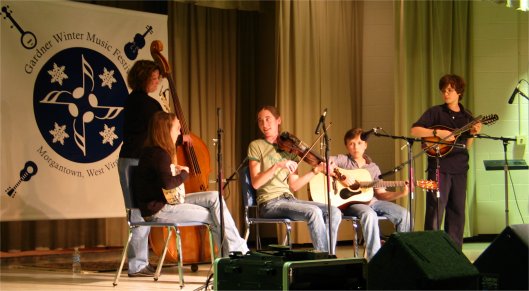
(64, 68)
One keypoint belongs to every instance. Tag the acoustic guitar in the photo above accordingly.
(429, 143)
(360, 191)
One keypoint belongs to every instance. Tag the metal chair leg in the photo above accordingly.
(162, 257)
(289, 239)
(355, 237)
(118, 272)
(211, 245)
(180, 258)
(247, 232)
(257, 237)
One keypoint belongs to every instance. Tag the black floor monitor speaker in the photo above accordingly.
(419, 261)
(504, 264)
(289, 270)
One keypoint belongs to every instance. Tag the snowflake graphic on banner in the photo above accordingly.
(57, 74)
(108, 78)
(59, 133)
(86, 104)
(108, 135)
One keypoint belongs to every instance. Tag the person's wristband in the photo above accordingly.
(434, 132)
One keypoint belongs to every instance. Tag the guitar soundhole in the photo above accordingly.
(347, 193)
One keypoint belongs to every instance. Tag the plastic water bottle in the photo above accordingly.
(76, 261)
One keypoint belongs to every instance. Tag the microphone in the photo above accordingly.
(394, 170)
(320, 122)
(365, 135)
(230, 178)
(515, 92)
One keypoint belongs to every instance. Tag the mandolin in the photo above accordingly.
(429, 143)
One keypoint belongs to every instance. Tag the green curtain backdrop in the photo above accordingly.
(433, 39)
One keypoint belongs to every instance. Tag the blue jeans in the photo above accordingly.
(205, 207)
(314, 213)
(368, 215)
(138, 252)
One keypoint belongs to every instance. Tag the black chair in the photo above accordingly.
(251, 211)
(129, 206)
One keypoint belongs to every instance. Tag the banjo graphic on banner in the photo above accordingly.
(64, 69)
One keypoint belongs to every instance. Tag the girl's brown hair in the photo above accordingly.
(270, 108)
(160, 133)
(140, 74)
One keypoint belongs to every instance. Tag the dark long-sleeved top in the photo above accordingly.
(139, 109)
(151, 177)
(456, 162)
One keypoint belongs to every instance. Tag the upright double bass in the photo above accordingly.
(195, 155)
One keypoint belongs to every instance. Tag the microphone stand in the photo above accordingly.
(411, 157)
(438, 179)
(230, 178)
(219, 180)
(409, 145)
(328, 176)
(505, 141)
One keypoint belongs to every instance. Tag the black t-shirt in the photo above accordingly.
(152, 175)
(139, 109)
(456, 161)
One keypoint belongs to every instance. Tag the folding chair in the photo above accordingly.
(250, 206)
(129, 206)
(356, 221)
(320, 181)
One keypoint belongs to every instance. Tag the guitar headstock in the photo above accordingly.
(489, 119)
(427, 184)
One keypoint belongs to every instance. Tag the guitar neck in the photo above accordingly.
(382, 184)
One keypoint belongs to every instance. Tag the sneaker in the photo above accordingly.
(145, 272)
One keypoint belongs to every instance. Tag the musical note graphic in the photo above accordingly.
(29, 170)
(27, 38)
(85, 90)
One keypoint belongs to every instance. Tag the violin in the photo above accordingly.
(291, 144)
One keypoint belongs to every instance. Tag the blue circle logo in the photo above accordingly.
(78, 102)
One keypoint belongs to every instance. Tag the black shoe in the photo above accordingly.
(145, 272)
(151, 268)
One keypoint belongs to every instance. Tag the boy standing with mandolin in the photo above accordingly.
(379, 204)
(449, 165)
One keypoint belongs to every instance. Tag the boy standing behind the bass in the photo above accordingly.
(453, 167)
(380, 204)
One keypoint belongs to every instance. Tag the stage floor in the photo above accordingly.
(37, 272)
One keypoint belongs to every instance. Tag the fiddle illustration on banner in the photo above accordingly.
(29, 170)
(131, 49)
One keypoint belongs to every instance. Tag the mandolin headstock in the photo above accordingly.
(427, 184)
(489, 119)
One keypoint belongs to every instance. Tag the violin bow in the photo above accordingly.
(310, 148)
(314, 143)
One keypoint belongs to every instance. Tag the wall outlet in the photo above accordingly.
(521, 139)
